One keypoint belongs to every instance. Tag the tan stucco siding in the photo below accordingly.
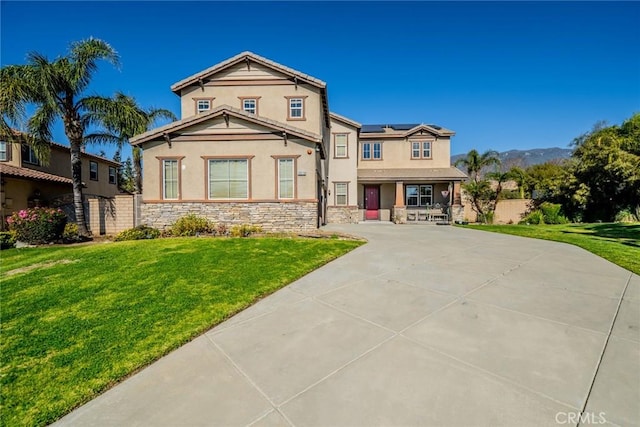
(262, 172)
(60, 164)
(272, 101)
(396, 154)
(343, 169)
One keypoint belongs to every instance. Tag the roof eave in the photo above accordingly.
(181, 124)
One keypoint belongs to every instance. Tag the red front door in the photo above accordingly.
(371, 202)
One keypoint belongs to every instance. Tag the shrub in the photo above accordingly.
(245, 230)
(140, 232)
(38, 225)
(7, 239)
(626, 215)
(191, 225)
(547, 213)
(70, 233)
(486, 218)
(552, 213)
(222, 229)
(536, 218)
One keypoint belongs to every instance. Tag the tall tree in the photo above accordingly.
(607, 169)
(123, 119)
(474, 163)
(55, 88)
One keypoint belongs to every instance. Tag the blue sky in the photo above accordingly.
(503, 75)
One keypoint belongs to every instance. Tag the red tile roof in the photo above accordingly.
(16, 171)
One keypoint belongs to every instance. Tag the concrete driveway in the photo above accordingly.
(424, 325)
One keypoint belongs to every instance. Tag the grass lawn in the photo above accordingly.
(76, 320)
(618, 243)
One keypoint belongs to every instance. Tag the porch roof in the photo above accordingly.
(15, 171)
(412, 174)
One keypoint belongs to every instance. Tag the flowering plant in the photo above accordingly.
(37, 225)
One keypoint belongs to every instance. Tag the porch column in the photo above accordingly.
(399, 194)
(399, 210)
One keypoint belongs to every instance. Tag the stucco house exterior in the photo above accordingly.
(257, 143)
(25, 182)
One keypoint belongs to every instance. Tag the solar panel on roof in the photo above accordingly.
(371, 129)
(436, 127)
(403, 126)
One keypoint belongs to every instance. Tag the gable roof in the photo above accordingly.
(250, 56)
(220, 111)
(244, 56)
(343, 119)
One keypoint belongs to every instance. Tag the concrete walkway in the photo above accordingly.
(424, 325)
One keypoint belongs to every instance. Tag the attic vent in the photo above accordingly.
(248, 61)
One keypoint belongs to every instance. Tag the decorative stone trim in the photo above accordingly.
(342, 214)
(272, 217)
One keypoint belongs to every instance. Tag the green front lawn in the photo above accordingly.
(76, 320)
(618, 243)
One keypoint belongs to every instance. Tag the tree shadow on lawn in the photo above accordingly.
(627, 234)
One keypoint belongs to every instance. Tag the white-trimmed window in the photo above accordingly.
(93, 171)
(286, 178)
(426, 150)
(113, 173)
(421, 150)
(341, 145)
(228, 179)
(203, 105)
(415, 150)
(371, 150)
(170, 179)
(4, 151)
(250, 105)
(296, 108)
(419, 195)
(342, 193)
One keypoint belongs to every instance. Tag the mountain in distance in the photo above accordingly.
(524, 158)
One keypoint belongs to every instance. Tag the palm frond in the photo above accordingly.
(101, 138)
(84, 56)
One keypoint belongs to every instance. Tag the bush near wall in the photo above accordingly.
(192, 225)
(140, 232)
(38, 225)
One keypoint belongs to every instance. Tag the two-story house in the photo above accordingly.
(256, 143)
(25, 182)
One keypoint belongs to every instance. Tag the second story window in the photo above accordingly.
(204, 105)
(371, 151)
(295, 107)
(29, 156)
(421, 150)
(341, 145)
(250, 105)
(4, 151)
(112, 175)
(93, 171)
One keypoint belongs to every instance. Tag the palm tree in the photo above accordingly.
(123, 119)
(55, 89)
(520, 176)
(474, 162)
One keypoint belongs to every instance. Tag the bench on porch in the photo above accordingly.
(434, 214)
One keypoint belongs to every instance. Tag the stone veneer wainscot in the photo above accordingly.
(272, 217)
(342, 214)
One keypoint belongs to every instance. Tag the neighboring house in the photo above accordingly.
(256, 144)
(26, 183)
